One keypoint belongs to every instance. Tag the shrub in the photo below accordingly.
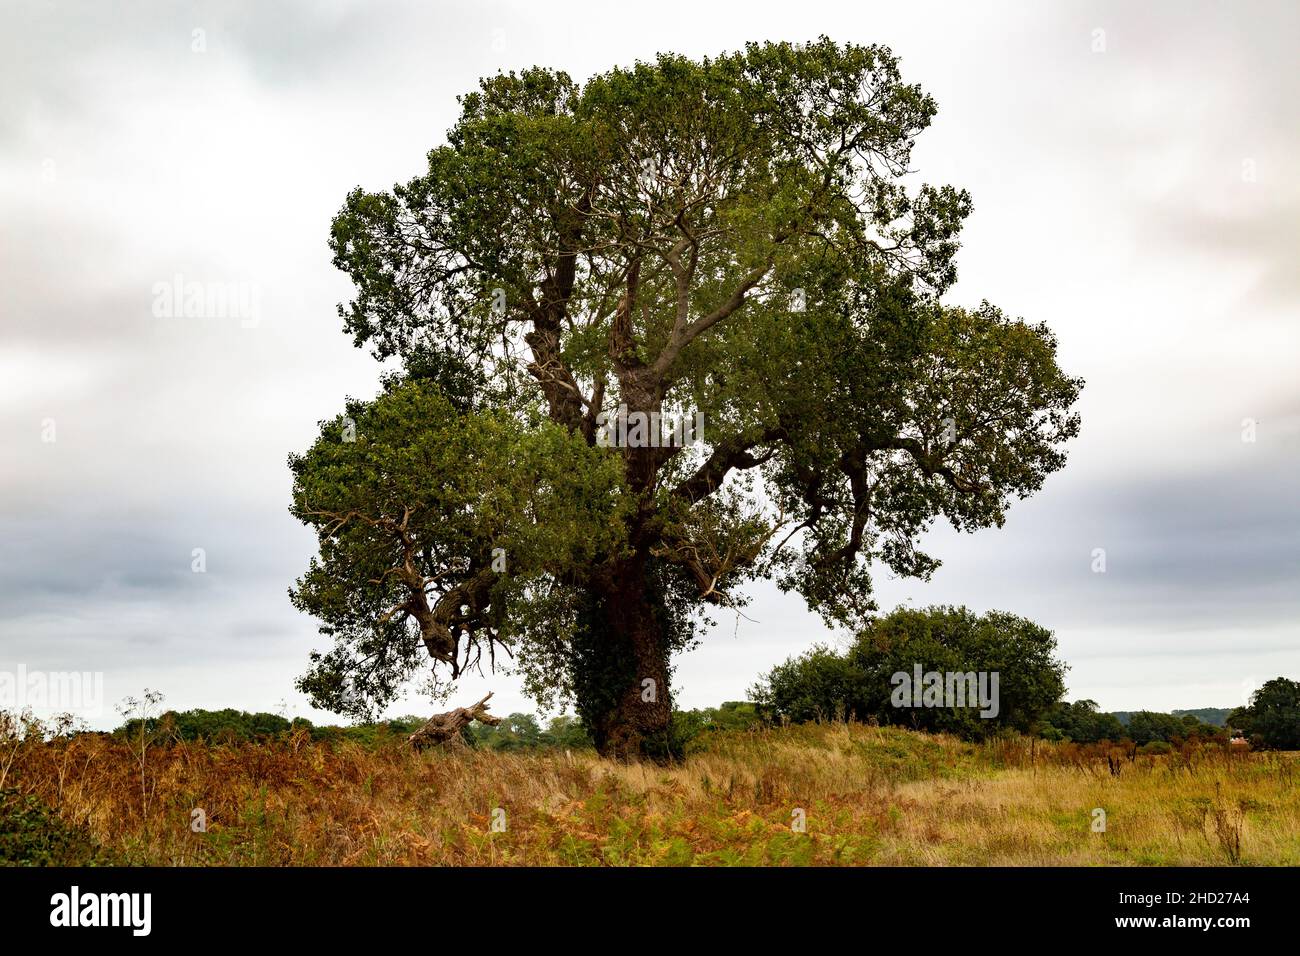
(818, 685)
(858, 684)
(31, 834)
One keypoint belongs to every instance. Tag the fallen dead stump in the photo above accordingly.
(441, 728)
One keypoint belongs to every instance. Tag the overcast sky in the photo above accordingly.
(1136, 178)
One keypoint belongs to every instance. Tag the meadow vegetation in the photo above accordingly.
(868, 795)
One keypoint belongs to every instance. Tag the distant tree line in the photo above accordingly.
(1083, 723)
(515, 732)
(857, 683)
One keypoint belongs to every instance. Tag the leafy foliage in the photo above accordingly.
(414, 502)
(1145, 726)
(31, 834)
(522, 732)
(211, 725)
(858, 684)
(1273, 718)
(1082, 723)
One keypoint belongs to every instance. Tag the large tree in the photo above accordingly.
(737, 238)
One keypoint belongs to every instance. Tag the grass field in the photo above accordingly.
(867, 796)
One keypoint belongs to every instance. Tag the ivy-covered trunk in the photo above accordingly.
(621, 665)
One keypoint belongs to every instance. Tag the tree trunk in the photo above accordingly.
(622, 663)
(621, 666)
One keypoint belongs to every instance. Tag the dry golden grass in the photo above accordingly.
(870, 796)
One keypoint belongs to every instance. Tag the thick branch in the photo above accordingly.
(932, 464)
(684, 336)
(734, 453)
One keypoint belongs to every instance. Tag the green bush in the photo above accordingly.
(859, 684)
(818, 685)
(31, 834)
(691, 727)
